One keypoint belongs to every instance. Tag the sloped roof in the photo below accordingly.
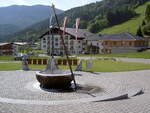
(2, 44)
(82, 33)
(20, 43)
(16, 43)
(121, 36)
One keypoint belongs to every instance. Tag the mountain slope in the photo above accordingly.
(102, 14)
(129, 26)
(22, 16)
(31, 33)
(7, 29)
(96, 13)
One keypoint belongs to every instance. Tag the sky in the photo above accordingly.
(61, 4)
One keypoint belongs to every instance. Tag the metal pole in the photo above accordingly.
(65, 48)
(52, 44)
(49, 47)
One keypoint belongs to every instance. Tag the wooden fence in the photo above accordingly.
(72, 62)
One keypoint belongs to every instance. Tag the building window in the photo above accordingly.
(56, 39)
(44, 41)
(44, 46)
(56, 44)
(114, 43)
(130, 43)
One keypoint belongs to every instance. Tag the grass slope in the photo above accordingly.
(115, 66)
(128, 26)
(7, 58)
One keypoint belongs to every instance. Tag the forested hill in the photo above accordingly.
(94, 17)
(100, 15)
(17, 17)
(23, 16)
(134, 24)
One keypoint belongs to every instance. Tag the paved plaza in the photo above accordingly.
(20, 93)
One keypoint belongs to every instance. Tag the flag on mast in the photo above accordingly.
(64, 26)
(77, 26)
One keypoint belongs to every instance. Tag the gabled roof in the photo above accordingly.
(16, 43)
(2, 44)
(20, 43)
(82, 33)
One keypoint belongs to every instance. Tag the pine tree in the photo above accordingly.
(147, 14)
(144, 29)
(139, 32)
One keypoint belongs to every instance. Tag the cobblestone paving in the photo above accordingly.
(13, 85)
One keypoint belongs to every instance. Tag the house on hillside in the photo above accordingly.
(89, 43)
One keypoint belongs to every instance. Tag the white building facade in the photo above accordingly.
(86, 42)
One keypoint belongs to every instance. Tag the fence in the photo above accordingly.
(72, 62)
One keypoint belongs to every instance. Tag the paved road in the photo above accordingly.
(146, 61)
(118, 82)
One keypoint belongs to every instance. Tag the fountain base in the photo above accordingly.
(54, 81)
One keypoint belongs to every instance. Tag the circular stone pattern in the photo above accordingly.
(21, 85)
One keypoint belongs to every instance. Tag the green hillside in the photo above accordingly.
(94, 17)
(128, 26)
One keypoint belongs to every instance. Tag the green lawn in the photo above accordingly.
(17, 66)
(115, 66)
(10, 66)
(8, 58)
(128, 26)
(144, 55)
(98, 66)
(38, 57)
(38, 51)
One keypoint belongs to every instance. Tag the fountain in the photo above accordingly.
(52, 77)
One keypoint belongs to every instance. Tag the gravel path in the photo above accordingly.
(15, 84)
